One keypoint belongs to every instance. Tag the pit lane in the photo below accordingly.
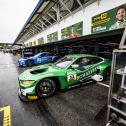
(77, 107)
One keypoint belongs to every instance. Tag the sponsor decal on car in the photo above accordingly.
(39, 60)
(71, 76)
(83, 75)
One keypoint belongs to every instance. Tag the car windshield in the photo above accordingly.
(64, 62)
(39, 54)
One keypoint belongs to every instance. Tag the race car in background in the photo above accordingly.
(40, 58)
(68, 72)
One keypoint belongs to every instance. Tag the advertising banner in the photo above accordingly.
(109, 20)
(27, 44)
(30, 44)
(72, 31)
(52, 37)
(34, 43)
(28, 52)
(1, 45)
(40, 41)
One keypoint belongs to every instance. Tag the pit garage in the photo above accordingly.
(101, 44)
(84, 105)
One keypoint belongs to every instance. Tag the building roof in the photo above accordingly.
(46, 14)
(30, 18)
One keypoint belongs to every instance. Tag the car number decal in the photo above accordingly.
(71, 77)
(39, 59)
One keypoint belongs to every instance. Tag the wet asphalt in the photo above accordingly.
(78, 107)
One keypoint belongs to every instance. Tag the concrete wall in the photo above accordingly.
(84, 15)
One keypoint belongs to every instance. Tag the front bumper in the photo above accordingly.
(25, 97)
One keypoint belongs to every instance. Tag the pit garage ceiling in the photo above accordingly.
(48, 12)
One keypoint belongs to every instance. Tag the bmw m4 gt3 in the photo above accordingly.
(68, 72)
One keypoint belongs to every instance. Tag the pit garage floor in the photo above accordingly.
(76, 107)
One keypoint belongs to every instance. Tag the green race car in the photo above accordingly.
(68, 72)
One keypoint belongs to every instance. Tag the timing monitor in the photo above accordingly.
(123, 41)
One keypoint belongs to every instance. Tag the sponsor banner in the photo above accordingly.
(109, 20)
(34, 43)
(72, 31)
(1, 45)
(52, 37)
(40, 41)
(26, 44)
(30, 44)
(28, 52)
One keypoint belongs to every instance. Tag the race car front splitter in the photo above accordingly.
(26, 98)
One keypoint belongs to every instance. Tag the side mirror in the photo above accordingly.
(74, 66)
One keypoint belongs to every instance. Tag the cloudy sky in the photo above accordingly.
(13, 15)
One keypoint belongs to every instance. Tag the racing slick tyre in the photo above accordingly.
(46, 88)
(107, 73)
(30, 63)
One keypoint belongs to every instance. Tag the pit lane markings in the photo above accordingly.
(5, 118)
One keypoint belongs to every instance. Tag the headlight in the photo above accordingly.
(27, 82)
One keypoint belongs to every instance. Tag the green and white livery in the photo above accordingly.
(68, 72)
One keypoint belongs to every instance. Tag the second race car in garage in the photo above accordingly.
(68, 72)
(40, 58)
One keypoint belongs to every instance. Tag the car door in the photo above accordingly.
(40, 58)
(43, 58)
(87, 67)
(91, 68)
(47, 58)
(75, 74)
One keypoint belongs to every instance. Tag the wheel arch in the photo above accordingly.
(102, 70)
(30, 60)
(55, 79)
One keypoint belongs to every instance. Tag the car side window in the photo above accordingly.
(43, 54)
(83, 61)
(96, 60)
